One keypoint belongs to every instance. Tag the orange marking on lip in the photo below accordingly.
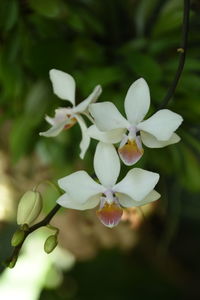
(71, 124)
(110, 215)
(130, 152)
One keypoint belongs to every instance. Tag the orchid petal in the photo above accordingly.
(127, 201)
(61, 114)
(151, 142)
(63, 85)
(137, 101)
(85, 142)
(50, 120)
(162, 124)
(111, 136)
(68, 202)
(107, 116)
(81, 107)
(106, 164)
(80, 186)
(55, 129)
(137, 184)
(151, 197)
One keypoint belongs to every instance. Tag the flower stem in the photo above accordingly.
(46, 220)
(182, 54)
(36, 226)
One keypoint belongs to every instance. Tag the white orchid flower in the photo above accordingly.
(82, 192)
(64, 87)
(155, 132)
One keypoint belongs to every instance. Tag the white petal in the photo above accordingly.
(162, 124)
(107, 116)
(80, 186)
(55, 129)
(151, 142)
(111, 136)
(61, 114)
(50, 120)
(63, 85)
(81, 107)
(137, 184)
(151, 197)
(106, 164)
(127, 201)
(85, 142)
(137, 101)
(68, 202)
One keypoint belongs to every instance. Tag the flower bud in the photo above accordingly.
(12, 263)
(50, 243)
(29, 208)
(17, 238)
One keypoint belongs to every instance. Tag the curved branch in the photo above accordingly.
(182, 54)
(36, 226)
(46, 220)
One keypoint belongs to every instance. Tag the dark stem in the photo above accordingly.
(182, 53)
(46, 220)
(40, 224)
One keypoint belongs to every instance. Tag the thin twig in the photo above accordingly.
(182, 54)
(46, 220)
(36, 226)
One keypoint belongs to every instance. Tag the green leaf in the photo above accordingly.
(36, 101)
(21, 137)
(190, 139)
(9, 12)
(191, 171)
(75, 21)
(98, 75)
(170, 18)
(47, 8)
(47, 54)
(145, 66)
(144, 10)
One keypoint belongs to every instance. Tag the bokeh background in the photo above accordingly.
(112, 43)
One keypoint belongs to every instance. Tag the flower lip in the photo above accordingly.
(110, 215)
(110, 211)
(72, 122)
(130, 149)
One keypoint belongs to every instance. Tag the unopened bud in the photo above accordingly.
(12, 263)
(17, 238)
(29, 208)
(50, 243)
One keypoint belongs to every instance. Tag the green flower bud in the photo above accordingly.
(29, 208)
(17, 238)
(12, 263)
(50, 243)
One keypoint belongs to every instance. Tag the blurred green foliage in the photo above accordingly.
(111, 43)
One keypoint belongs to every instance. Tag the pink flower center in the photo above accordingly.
(110, 211)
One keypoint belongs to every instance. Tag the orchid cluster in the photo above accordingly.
(110, 127)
